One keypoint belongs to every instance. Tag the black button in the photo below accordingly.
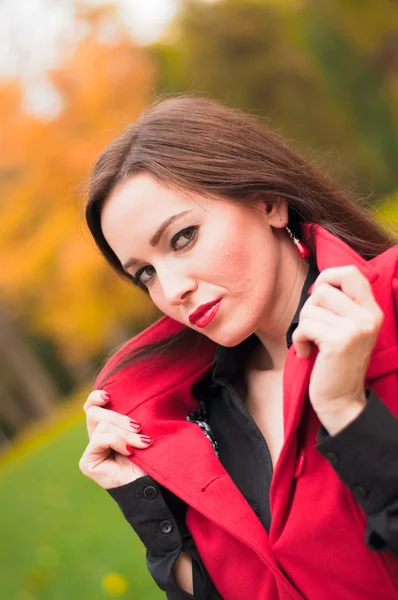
(332, 458)
(150, 492)
(165, 527)
(359, 492)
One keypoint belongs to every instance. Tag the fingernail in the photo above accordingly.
(105, 396)
(134, 424)
(130, 449)
(146, 439)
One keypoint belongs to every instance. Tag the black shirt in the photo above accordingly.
(364, 455)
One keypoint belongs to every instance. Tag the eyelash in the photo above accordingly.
(194, 229)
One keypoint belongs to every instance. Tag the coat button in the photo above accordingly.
(165, 527)
(332, 458)
(359, 492)
(150, 492)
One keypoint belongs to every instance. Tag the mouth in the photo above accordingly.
(205, 313)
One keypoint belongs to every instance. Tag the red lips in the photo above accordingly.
(205, 313)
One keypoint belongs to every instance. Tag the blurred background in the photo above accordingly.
(72, 75)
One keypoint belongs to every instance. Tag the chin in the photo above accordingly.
(229, 339)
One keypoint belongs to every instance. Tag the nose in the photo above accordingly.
(177, 286)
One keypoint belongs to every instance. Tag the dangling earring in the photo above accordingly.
(301, 248)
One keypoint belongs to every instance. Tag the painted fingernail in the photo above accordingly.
(134, 424)
(146, 439)
(130, 449)
(105, 396)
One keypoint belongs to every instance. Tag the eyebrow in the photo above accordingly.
(157, 236)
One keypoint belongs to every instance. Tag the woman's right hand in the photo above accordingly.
(113, 438)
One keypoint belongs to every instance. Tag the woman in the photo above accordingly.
(269, 390)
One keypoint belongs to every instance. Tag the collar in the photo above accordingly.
(228, 361)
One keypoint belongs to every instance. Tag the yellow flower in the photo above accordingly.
(114, 584)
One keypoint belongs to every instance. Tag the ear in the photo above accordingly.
(277, 212)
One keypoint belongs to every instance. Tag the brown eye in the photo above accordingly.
(184, 238)
(143, 276)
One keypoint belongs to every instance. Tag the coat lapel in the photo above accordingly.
(330, 252)
(296, 378)
(183, 460)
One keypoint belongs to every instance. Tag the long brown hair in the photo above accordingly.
(196, 144)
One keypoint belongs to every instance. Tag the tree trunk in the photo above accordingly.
(32, 379)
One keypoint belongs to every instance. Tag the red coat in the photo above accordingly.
(315, 547)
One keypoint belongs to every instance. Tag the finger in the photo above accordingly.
(135, 440)
(319, 314)
(99, 452)
(96, 398)
(350, 280)
(101, 444)
(310, 330)
(334, 300)
(96, 414)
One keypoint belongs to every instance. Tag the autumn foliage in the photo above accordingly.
(51, 275)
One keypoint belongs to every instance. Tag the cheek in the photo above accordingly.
(170, 311)
(238, 255)
(224, 253)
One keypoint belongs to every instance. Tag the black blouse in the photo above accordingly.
(364, 455)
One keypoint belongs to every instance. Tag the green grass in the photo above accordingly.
(62, 537)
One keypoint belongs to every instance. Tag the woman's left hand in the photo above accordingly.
(343, 319)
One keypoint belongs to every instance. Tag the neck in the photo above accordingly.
(291, 275)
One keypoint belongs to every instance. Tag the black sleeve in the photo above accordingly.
(158, 518)
(365, 456)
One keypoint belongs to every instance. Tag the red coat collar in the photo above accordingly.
(331, 251)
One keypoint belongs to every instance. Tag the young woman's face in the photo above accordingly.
(190, 251)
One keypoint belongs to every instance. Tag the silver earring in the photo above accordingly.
(301, 248)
